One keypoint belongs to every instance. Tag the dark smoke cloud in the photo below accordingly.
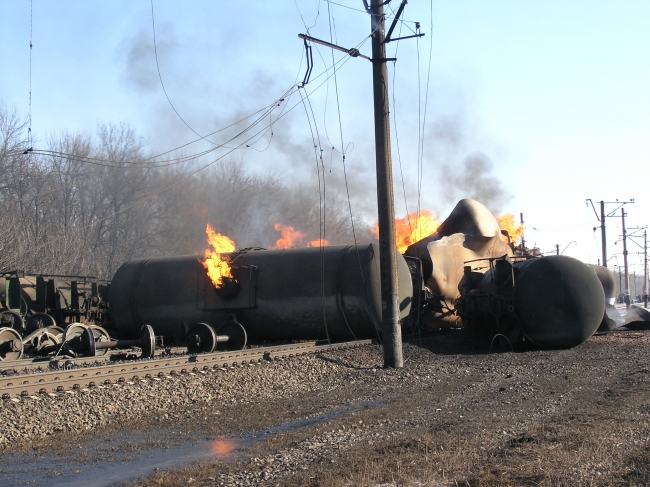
(459, 168)
(140, 71)
(473, 178)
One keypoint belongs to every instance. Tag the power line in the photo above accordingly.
(345, 176)
(399, 155)
(31, 45)
(155, 50)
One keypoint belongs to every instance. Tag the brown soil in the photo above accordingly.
(453, 417)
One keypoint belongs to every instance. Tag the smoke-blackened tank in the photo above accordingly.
(553, 302)
(293, 294)
(559, 301)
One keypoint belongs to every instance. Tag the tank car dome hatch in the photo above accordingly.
(559, 300)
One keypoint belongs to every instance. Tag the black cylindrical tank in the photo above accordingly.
(608, 282)
(612, 318)
(559, 300)
(292, 294)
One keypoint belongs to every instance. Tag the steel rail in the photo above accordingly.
(59, 361)
(67, 380)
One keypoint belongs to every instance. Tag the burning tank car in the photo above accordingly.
(274, 295)
(328, 293)
(467, 274)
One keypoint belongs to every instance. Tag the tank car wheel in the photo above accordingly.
(148, 341)
(45, 341)
(38, 321)
(38, 339)
(201, 339)
(237, 337)
(57, 331)
(11, 319)
(99, 335)
(74, 343)
(11, 344)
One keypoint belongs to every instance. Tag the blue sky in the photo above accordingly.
(554, 94)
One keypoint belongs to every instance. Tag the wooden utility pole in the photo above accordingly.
(391, 330)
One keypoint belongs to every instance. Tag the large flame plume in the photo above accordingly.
(507, 223)
(217, 265)
(411, 229)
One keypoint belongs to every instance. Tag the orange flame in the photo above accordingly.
(411, 229)
(290, 237)
(218, 266)
(318, 243)
(507, 223)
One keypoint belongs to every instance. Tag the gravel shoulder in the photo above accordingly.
(452, 416)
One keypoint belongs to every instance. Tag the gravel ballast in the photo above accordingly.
(452, 416)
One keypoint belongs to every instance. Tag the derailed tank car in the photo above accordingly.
(293, 294)
(471, 277)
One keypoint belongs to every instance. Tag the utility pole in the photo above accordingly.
(392, 332)
(557, 249)
(601, 219)
(523, 240)
(602, 232)
(626, 296)
(645, 260)
(390, 325)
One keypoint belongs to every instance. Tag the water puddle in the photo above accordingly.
(111, 459)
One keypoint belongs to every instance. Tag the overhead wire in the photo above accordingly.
(155, 49)
(399, 155)
(426, 104)
(345, 176)
(31, 45)
(267, 109)
(322, 195)
(321, 190)
(343, 60)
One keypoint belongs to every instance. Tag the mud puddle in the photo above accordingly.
(112, 458)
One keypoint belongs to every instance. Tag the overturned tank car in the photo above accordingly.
(472, 277)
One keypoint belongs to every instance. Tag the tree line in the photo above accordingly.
(91, 202)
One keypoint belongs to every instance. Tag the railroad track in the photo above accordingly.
(155, 369)
(60, 362)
